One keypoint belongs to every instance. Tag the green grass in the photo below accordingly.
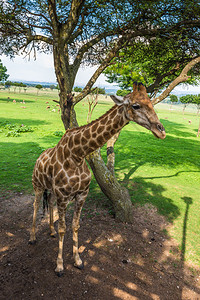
(164, 173)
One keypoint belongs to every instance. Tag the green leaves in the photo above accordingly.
(154, 62)
(14, 130)
(173, 98)
(3, 74)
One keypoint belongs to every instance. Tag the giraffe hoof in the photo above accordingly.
(60, 273)
(53, 235)
(32, 242)
(80, 267)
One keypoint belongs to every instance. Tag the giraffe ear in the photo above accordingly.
(118, 99)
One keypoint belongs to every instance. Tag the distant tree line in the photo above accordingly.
(97, 90)
(186, 100)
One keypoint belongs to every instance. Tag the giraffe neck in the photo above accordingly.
(84, 140)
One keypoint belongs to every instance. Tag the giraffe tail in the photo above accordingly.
(45, 202)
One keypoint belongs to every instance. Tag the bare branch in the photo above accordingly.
(181, 78)
(41, 38)
(56, 101)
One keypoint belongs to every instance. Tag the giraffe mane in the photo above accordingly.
(94, 121)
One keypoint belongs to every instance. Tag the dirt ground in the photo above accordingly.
(122, 261)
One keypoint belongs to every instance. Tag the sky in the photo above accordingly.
(22, 68)
(42, 70)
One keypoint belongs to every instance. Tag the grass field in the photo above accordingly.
(164, 173)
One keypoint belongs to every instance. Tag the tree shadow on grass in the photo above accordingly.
(16, 165)
(177, 129)
(141, 192)
(29, 122)
(142, 148)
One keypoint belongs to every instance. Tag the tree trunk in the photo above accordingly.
(111, 153)
(117, 195)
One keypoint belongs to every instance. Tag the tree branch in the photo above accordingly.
(111, 54)
(38, 37)
(85, 48)
(72, 21)
(37, 15)
(160, 77)
(38, 26)
(181, 78)
(53, 14)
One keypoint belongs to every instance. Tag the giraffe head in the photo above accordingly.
(138, 108)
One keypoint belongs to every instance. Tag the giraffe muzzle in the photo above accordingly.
(158, 130)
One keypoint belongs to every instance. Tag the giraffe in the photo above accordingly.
(63, 170)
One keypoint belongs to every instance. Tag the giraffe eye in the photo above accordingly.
(136, 106)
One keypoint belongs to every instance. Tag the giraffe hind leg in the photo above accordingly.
(48, 202)
(45, 203)
(51, 200)
(38, 197)
(61, 232)
(79, 201)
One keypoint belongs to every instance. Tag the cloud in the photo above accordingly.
(21, 68)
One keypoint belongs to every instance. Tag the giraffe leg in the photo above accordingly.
(51, 200)
(79, 201)
(38, 196)
(61, 233)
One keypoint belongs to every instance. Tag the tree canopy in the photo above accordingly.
(93, 31)
(173, 98)
(196, 101)
(155, 63)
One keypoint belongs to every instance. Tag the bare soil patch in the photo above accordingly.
(122, 261)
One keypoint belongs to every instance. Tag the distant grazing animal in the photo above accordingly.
(63, 171)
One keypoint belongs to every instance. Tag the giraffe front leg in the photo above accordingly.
(38, 196)
(61, 232)
(79, 201)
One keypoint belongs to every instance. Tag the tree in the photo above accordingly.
(8, 84)
(156, 64)
(92, 32)
(173, 99)
(123, 93)
(38, 87)
(196, 101)
(78, 89)
(3, 75)
(98, 90)
(52, 87)
(185, 100)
